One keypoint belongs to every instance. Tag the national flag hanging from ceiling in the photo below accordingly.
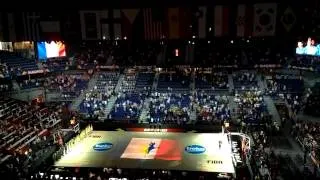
(179, 23)
(153, 26)
(265, 15)
(202, 22)
(90, 23)
(128, 18)
(221, 20)
(244, 20)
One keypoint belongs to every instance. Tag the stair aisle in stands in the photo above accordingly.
(15, 85)
(233, 106)
(193, 82)
(193, 113)
(261, 83)
(119, 84)
(113, 99)
(230, 81)
(272, 109)
(109, 107)
(144, 116)
(77, 101)
(193, 116)
(155, 81)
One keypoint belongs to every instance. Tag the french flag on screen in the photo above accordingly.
(50, 50)
(148, 148)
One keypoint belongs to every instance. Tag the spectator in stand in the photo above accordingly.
(26, 134)
(300, 49)
(212, 108)
(310, 48)
(169, 108)
(70, 85)
(318, 50)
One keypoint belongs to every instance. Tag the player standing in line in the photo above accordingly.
(150, 147)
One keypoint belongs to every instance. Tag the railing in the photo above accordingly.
(247, 147)
(75, 128)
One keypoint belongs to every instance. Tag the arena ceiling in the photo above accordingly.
(100, 4)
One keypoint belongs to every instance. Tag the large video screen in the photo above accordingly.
(51, 49)
(308, 47)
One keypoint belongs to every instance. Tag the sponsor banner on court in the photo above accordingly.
(102, 146)
(195, 149)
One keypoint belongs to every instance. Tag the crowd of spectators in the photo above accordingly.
(127, 106)
(70, 85)
(57, 64)
(267, 163)
(312, 106)
(170, 108)
(5, 85)
(96, 99)
(305, 62)
(306, 133)
(285, 84)
(16, 65)
(176, 81)
(26, 136)
(129, 82)
(124, 174)
(251, 108)
(30, 83)
(145, 81)
(94, 103)
(212, 109)
(259, 155)
(4, 71)
(211, 80)
(245, 81)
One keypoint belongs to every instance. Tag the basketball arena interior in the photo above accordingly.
(174, 151)
(161, 91)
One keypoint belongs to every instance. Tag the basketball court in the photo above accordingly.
(207, 152)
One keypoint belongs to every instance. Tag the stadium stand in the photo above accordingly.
(245, 81)
(144, 81)
(27, 136)
(212, 108)
(69, 85)
(127, 106)
(169, 108)
(17, 64)
(5, 84)
(211, 81)
(176, 81)
(313, 101)
(286, 83)
(56, 64)
(97, 99)
(252, 109)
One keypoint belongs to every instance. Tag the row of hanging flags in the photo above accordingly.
(176, 23)
(28, 26)
(265, 19)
